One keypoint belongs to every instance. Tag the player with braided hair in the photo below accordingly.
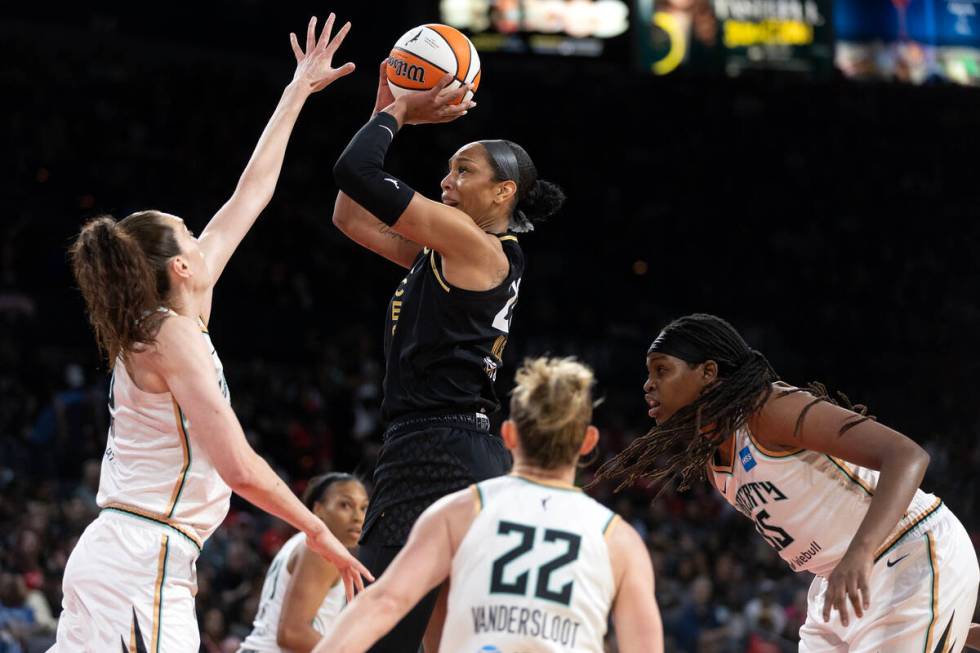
(833, 491)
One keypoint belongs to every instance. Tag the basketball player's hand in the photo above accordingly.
(384, 97)
(849, 582)
(351, 570)
(438, 104)
(314, 68)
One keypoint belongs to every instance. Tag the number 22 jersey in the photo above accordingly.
(808, 505)
(532, 574)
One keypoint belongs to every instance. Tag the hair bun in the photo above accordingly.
(541, 202)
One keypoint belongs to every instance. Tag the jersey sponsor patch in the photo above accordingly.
(745, 455)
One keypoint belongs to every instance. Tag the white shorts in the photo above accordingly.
(923, 593)
(129, 583)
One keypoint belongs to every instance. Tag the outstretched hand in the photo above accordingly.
(439, 104)
(352, 572)
(314, 67)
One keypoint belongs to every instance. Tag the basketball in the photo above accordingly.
(424, 54)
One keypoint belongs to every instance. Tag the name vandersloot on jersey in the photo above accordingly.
(517, 620)
(752, 495)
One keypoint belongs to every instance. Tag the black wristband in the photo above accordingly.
(358, 171)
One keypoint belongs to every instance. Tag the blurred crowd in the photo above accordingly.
(820, 219)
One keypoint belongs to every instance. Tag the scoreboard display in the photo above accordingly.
(916, 41)
(734, 36)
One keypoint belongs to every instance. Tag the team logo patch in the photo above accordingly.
(748, 462)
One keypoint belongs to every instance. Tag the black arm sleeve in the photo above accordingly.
(358, 171)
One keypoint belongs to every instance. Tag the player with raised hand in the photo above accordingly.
(175, 449)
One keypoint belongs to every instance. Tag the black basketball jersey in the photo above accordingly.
(443, 345)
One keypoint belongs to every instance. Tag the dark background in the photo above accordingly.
(833, 223)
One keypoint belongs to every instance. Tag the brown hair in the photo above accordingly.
(121, 269)
(552, 407)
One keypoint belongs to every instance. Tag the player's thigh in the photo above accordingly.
(925, 600)
(815, 635)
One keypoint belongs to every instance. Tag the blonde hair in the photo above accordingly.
(552, 407)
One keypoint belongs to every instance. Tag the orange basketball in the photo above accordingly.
(425, 54)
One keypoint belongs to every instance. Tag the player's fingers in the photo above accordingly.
(841, 605)
(348, 585)
(865, 591)
(450, 94)
(828, 600)
(445, 81)
(854, 594)
(324, 39)
(346, 69)
(359, 582)
(295, 44)
(311, 34)
(339, 38)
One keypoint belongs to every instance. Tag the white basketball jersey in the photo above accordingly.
(263, 636)
(807, 505)
(151, 468)
(532, 574)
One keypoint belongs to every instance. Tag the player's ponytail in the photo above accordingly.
(552, 407)
(536, 199)
(121, 270)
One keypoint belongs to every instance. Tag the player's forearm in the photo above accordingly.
(250, 476)
(900, 476)
(262, 172)
(372, 614)
(297, 638)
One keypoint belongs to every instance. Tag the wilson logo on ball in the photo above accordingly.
(407, 70)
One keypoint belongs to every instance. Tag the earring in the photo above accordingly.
(592, 457)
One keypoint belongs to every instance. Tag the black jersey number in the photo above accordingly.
(774, 535)
(542, 589)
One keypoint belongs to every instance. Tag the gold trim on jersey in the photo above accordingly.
(132, 634)
(158, 593)
(849, 473)
(477, 499)
(133, 511)
(186, 446)
(508, 237)
(886, 547)
(723, 469)
(769, 452)
(435, 271)
(935, 591)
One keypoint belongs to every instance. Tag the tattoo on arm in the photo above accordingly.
(391, 233)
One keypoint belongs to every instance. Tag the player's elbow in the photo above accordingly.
(238, 473)
(392, 603)
(288, 635)
(345, 174)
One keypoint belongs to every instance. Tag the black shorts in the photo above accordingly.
(422, 460)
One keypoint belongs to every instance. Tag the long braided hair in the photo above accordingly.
(681, 447)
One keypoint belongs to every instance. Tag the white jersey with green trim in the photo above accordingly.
(151, 468)
(532, 574)
(266, 626)
(808, 505)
